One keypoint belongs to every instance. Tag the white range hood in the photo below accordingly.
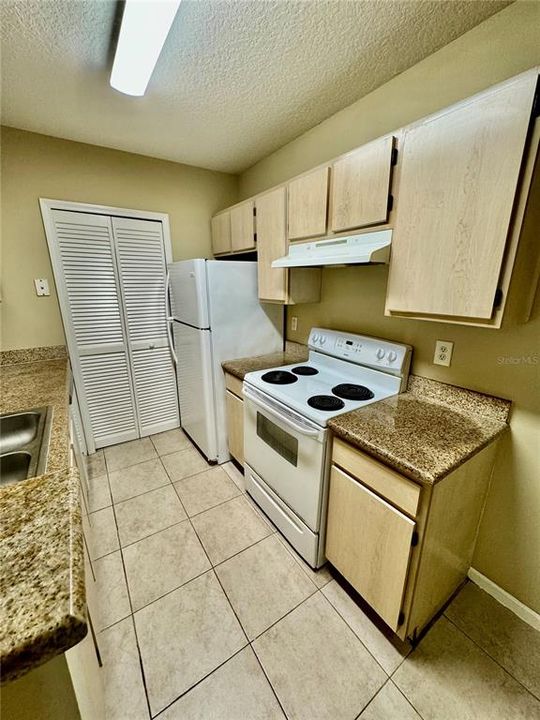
(373, 247)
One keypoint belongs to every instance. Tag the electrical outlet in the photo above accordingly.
(443, 353)
(294, 323)
(42, 286)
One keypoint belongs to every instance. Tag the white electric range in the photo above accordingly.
(286, 410)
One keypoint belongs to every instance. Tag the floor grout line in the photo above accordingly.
(490, 656)
(301, 562)
(284, 616)
(192, 687)
(385, 683)
(155, 532)
(169, 592)
(274, 691)
(388, 675)
(141, 665)
(224, 502)
(248, 547)
(406, 698)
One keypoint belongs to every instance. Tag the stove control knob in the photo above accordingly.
(380, 353)
(392, 356)
(315, 338)
(322, 340)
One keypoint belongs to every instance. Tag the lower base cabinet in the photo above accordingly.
(405, 548)
(234, 407)
(372, 554)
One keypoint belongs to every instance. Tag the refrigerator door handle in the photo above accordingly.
(169, 319)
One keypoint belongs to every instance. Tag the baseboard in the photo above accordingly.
(527, 614)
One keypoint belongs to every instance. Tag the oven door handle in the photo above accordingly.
(286, 420)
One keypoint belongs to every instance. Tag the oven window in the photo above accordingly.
(280, 441)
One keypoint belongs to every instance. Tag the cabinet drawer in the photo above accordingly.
(369, 542)
(233, 384)
(398, 490)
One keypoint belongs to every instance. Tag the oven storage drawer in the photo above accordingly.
(369, 542)
(305, 542)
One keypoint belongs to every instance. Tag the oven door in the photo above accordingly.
(287, 452)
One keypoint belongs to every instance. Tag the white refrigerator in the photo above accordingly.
(215, 315)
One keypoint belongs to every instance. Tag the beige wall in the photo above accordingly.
(35, 166)
(508, 549)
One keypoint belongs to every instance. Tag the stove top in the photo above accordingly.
(344, 372)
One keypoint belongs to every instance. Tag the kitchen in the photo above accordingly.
(205, 604)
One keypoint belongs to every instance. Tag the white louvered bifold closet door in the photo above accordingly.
(85, 265)
(142, 267)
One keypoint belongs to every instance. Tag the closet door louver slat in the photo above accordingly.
(88, 288)
(142, 268)
(155, 383)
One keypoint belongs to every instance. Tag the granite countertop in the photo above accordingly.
(42, 579)
(30, 385)
(426, 432)
(294, 352)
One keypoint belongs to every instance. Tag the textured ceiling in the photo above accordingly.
(235, 81)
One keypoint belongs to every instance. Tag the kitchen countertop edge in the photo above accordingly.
(43, 562)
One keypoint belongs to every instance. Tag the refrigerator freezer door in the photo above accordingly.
(196, 387)
(188, 293)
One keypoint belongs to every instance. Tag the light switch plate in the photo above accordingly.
(443, 353)
(294, 323)
(42, 286)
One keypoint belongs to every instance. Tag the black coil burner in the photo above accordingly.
(279, 377)
(325, 402)
(305, 370)
(349, 391)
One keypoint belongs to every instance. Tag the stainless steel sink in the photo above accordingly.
(14, 466)
(24, 444)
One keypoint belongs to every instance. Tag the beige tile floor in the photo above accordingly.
(206, 613)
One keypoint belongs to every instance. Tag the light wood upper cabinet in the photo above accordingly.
(308, 201)
(272, 244)
(243, 227)
(361, 185)
(280, 285)
(221, 233)
(459, 175)
(369, 542)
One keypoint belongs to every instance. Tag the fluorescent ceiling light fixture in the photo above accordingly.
(145, 26)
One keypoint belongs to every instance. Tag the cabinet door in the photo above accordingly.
(459, 174)
(242, 227)
(308, 200)
(272, 244)
(221, 233)
(235, 426)
(369, 542)
(360, 186)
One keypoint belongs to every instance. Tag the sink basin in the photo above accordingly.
(14, 467)
(24, 444)
(18, 430)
